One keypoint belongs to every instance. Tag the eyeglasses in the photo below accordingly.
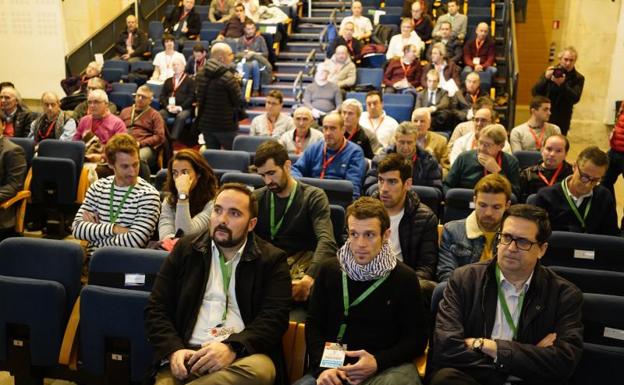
(481, 120)
(521, 243)
(142, 96)
(587, 178)
(485, 145)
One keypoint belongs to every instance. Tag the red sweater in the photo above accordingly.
(617, 138)
(395, 72)
(486, 53)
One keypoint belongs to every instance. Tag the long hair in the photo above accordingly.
(205, 188)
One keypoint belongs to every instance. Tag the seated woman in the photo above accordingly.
(403, 73)
(448, 70)
(78, 84)
(407, 36)
(322, 96)
(163, 61)
(190, 187)
(176, 98)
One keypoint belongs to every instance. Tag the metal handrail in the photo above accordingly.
(298, 85)
(310, 59)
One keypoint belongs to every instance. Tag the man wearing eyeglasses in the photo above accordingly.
(509, 320)
(578, 203)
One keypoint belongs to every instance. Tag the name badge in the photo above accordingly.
(220, 333)
(333, 355)
(172, 101)
(134, 280)
(476, 61)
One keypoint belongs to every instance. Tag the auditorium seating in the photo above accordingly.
(588, 251)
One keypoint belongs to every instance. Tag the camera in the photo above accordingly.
(558, 72)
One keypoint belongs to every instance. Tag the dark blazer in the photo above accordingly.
(454, 49)
(22, 119)
(263, 294)
(185, 94)
(12, 174)
(442, 100)
(355, 53)
(139, 43)
(451, 71)
(468, 309)
(193, 22)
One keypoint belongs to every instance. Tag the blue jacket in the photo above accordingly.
(349, 164)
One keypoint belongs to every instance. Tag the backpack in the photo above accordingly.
(382, 34)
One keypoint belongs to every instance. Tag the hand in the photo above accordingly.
(364, 368)
(125, 56)
(88, 216)
(211, 357)
(176, 363)
(549, 72)
(489, 347)
(301, 288)
(183, 183)
(95, 158)
(559, 81)
(478, 68)
(249, 54)
(220, 37)
(184, 29)
(174, 109)
(547, 341)
(117, 229)
(489, 163)
(331, 377)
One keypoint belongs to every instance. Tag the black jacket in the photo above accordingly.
(355, 53)
(185, 94)
(218, 98)
(22, 118)
(139, 43)
(361, 139)
(193, 21)
(531, 183)
(563, 98)
(263, 294)
(468, 309)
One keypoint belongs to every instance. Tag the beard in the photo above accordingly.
(229, 241)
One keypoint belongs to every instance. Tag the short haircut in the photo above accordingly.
(537, 102)
(595, 155)
(168, 36)
(277, 94)
(178, 59)
(483, 102)
(425, 111)
(98, 83)
(374, 93)
(441, 48)
(406, 128)
(456, 2)
(433, 73)
(253, 202)
(337, 115)
(407, 20)
(98, 95)
(239, 4)
(368, 207)
(560, 136)
(96, 65)
(51, 94)
(249, 22)
(493, 184)
(396, 162)
(408, 47)
(219, 49)
(146, 88)
(535, 214)
(351, 102)
(120, 143)
(199, 47)
(570, 49)
(496, 132)
(446, 22)
(270, 149)
(475, 75)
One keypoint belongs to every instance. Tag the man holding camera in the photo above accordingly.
(563, 85)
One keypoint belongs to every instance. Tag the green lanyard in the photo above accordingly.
(275, 227)
(114, 214)
(503, 302)
(226, 273)
(572, 205)
(132, 118)
(358, 300)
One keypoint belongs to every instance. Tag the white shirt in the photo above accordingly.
(164, 63)
(384, 127)
(214, 300)
(394, 234)
(501, 329)
(362, 25)
(465, 144)
(397, 42)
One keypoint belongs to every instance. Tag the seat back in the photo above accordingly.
(399, 99)
(359, 96)
(374, 60)
(588, 251)
(127, 88)
(430, 196)
(527, 158)
(155, 30)
(112, 75)
(248, 143)
(603, 319)
(142, 66)
(125, 268)
(252, 180)
(400, 112)
(458, 204)
(593, 281)
(339, 192)
(63, 149)
(123, 65)
(227, 159)
(337, 215)
(293, 345)
(532, 199)
(121, 99)
(28, 145)
(372, 76)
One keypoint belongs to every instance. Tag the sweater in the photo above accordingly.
(485, 54)
(306, 225)
(290, 143)
(394, 72)
(260, 126)
(139, 214)
(148, 127)
(521, 138)
(531, 183)
(103, 128)
(323, 98)
(177, 218)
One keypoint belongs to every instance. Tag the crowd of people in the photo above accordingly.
(241, 260)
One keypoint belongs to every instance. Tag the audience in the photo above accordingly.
(183, 21)
(464, 128)
(74, 85)
(351, 110)
(53, 123)
(346, 38)
(321, 96)
(82, 108)
(467, 97)
(529, 136)
(458, 22)
(616, 153)
(473, 239)
(447, 70)
(436, 100)
(432, 142)
(195, 63)
(177, 98)
(375, 120)
(13, 170)
(407, 36)
(454, 47)
(298, 139)
(480, 52)
(421, 21)
(482, 118)
(234, 28)
(132, 42)
(342, 71)
(402, 74)
(16, 116)
(251, 50)
(163, 61)
(221, 11)
(363, 26)
(190, 188)
(273, 122)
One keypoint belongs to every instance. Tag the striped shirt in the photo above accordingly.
(139, 215)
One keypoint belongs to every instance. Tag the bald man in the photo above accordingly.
(54, 123)
(298, 139)
(132, 43)
(219, 100)
(479, 53)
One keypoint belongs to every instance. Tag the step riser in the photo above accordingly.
(295, 48)
(287, 92)
(288, 56)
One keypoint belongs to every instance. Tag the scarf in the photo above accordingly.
(380, 266)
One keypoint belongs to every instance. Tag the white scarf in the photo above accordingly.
(380, 266)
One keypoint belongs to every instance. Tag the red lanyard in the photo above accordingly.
(177, 84)
(479, 45)
(350, 46)
(49, 130)
(417, 23)
(405, 68)
(184, 15)
(499, 160)
(327, 162)
(538, 142)
(554, 177)
(373, 125)
(352, 134)
(270, 125)
(415, 157)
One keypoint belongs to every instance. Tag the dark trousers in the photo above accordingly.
(452, 376)
(218, 140)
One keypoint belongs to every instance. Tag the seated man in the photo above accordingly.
(469, 126)
(132, 42)
(345, 37)
(82, 108)
(579, 204)
(425, 168)
(414, 233)
(183, 21)
(273, 122)
(437, 100)
(480, 52)
(488, 158)
(196, 62)
(422, 22)
(177, 98)
(122, 209)
(145, 124)
(363, 26)
(351, 110)
(458, 21)
(375, 120)
(234, 28)
(75, 85)
(293, 216)
(553, 168)
(303, 135)
(473, 238)
(432, 142)
(407, 36)
(220, 303)
(322, 96)
(342, 71)
(16, 116)
(334, 157)
(386, 327)
(449, 70)
(251, 50)
(402, 74)
(221, 11)
(12, 174)
(530, 135)
(163, 61)
(484, 335)
(468, 95)
(54, 123)
(454, 50)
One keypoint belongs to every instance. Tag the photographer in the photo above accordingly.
(563, 85)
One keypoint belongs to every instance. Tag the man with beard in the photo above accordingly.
(220, 303)
(293, 216)
(472, 239)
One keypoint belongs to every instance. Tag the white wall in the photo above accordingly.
(615, 89)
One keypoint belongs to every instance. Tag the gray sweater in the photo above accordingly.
(325, 98)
